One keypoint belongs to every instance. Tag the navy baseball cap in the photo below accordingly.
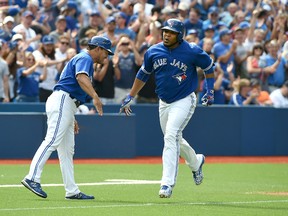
(224, 32)
(47, 39)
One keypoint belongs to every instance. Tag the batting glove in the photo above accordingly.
(208, 98)
(126, 105)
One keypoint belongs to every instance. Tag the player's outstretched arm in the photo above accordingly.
(125, 107)
(86, 85)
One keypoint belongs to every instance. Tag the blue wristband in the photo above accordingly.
(210, 83)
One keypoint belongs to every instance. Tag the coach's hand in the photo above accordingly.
(208, 98)
(98, 105)
(126, 105)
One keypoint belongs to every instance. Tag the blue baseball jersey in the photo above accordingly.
(175, 69)
(81, 63)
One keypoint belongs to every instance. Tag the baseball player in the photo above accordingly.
(71, 91)
(174, 63)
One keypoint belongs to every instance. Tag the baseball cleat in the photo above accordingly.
(80, 196)
(198, 175)
(165, 191)
(34, 187)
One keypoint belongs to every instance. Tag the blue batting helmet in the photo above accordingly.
(102, 42)
(175, 25)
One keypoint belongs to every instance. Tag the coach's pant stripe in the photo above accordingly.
(53, 138)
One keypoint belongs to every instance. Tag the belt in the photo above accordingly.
(77, 102)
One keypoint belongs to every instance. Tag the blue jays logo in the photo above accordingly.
(180, 77)
(171, 23)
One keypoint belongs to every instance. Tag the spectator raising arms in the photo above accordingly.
(28, 79)
(47, 49)
(125, 59)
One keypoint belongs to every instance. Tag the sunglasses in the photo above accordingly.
(258, 48)
(65, 43)
(30, 59)
(125, 44)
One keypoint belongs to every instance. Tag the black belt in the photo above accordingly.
(77, 102)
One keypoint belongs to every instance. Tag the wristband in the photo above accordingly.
(210, 83)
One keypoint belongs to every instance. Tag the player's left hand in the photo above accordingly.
(208, 98)
(126, 105)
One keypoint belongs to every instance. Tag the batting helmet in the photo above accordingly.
(175, 25)
(102, 42)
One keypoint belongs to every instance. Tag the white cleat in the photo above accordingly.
(198, 175)
(165, 191)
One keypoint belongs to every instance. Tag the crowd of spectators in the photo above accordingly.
(248, 40)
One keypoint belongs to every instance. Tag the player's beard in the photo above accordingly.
(165, 41)
(171, 45)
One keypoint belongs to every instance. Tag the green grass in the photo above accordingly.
(228, 189)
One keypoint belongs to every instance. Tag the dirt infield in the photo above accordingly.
(158, 160)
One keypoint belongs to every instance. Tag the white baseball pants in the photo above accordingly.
(173, 119)
(60, 109)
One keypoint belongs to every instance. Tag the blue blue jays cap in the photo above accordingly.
(224, 32)
(133, 18)
(72, 4)
(28, 13)
(102, 42)
(12, 11)
(13, 44)
(110, 19)
(213, 9)
(244, 25)
(122, 15)
(209, 27)
(95, 13)
(192, 31)
(47, 39)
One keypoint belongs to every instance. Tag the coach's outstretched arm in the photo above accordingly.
(137, 86)
(86, 85)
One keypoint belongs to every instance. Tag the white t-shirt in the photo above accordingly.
(29, 34)
(4, 71)
(278, 99)
(50, 81)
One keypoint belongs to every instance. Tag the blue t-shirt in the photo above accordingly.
(220, 49)
(175, 69)
(278, 77)
(28, 85)
(128, 71)
(237, 99)
(81, 63)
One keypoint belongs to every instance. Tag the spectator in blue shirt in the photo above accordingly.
(28, 79)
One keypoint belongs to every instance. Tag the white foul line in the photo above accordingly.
(127, 182)
(149, 204)
(106, 182)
